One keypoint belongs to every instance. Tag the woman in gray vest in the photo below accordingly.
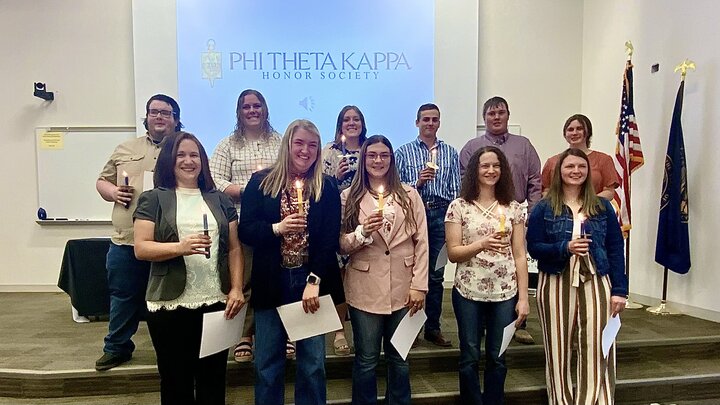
(188, 230)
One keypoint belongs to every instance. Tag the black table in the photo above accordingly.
(83, 276)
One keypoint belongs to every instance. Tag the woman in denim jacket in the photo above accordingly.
(577, 241)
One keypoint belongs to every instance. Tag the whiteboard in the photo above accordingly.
(69, 161)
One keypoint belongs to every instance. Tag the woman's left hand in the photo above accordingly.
(415, 301)
(310, 300)
(235, 302)
(617, 304)
(522, 308)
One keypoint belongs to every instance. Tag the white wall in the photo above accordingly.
(664, 32)
(530, 54)
(82, 49)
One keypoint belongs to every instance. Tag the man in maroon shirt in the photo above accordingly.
(523, 159)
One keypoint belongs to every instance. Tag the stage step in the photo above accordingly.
(661, 371)
(680, 390)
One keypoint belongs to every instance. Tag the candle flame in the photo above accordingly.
(342, 139)
(202, 209)
(381, 189)
(124, 173)
(581, 217)
(259, 167)
(298, 184)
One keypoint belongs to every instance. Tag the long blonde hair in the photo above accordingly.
(361, 184)
(591, 204)
(279, 176)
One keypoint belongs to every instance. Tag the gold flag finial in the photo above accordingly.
(684, 66)
(629, 49)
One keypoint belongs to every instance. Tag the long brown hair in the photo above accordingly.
(590, 202)
(279, 175)
(239, 131)
(361, 185)
(504, 190)
(338, 126)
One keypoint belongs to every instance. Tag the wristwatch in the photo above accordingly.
(312, 279)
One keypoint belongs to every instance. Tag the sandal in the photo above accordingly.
(244, 352)
(290, 350)
(341, 348)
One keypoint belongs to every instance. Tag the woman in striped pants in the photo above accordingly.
(576, 239)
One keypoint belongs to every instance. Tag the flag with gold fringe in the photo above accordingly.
(672, 249)
(628, 153)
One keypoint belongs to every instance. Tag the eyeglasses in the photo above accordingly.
(373, 156)
(163, 113)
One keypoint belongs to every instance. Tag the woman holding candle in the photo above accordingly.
(252, 146)
(294, 259)
(340, 159)
(485, 230)
(578, 132)
(385, 233)
(191, 273)
(582, 281)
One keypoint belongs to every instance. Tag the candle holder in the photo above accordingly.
(206, 232)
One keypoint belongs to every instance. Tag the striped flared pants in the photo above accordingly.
(568, 313)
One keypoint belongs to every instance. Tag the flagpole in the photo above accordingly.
(629, 304)
(662, 308)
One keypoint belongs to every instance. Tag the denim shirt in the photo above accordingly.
(548, 237)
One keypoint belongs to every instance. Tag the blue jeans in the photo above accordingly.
(471, 316)
(436, 240)
(127, 281)
(369, 330)
(270, 339)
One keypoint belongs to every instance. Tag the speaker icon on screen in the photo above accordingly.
(308, 103)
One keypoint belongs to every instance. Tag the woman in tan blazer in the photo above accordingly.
(385, 233)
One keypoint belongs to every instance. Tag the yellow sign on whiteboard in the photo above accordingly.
(52, 140)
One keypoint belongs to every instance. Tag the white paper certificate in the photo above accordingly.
(300, 325)
(609, 333)
(219, 333)
(407, 331)
(508, 333)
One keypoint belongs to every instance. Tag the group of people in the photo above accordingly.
(274, 219)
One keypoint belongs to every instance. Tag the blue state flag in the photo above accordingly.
(672, 249)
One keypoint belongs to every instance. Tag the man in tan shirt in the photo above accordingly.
(121, 182)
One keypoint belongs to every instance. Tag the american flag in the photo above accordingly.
(628, 153)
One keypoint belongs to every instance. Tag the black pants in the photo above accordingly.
(184, 377)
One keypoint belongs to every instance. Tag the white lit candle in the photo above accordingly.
(501, 212)
(342, 145)
(583, 231)
(433, 159)
(381, 197)
(299, 188)
(127, 179)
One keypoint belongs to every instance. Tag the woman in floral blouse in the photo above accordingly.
(484, 230)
